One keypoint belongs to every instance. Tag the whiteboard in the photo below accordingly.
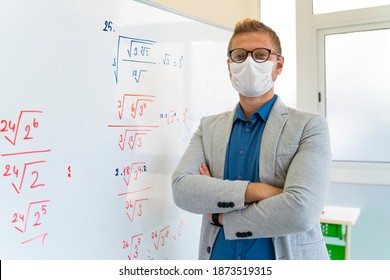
(99, 100)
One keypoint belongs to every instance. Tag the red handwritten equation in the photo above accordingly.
(147, 246)
(139, 103)
(134, 246)
(134, 106)
(134, 205)
(136, 121)
(22, 172)
(30, 169)
(160, 237)
(34, 217)
(132, 135)
(132, 172)
(13, 128)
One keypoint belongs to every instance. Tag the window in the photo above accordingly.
(329, 6)
(358, 95)
(335, 80)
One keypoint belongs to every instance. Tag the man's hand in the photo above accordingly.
(204, 170)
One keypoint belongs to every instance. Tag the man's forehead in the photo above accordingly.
(254, 38)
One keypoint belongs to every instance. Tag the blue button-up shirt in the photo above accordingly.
(242, 163)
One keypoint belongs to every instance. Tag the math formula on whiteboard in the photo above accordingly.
(97, 104)
(22, 170)
(143, 71)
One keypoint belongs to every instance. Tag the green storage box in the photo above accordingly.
(333, 230)
(336, 252)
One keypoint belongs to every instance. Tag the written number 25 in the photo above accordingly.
(108, 26)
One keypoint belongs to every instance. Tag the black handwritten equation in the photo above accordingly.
(136, 57)
(147, 76)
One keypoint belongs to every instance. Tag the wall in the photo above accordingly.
(370, 233)
(282, 21)
(222, 12)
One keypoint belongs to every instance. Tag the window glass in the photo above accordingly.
(357, 83)
(329, 6)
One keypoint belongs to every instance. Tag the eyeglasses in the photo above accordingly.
(259, 55)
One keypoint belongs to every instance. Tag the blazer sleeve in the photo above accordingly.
(202, 194)
(299, 207)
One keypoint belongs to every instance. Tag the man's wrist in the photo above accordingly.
(251, 193)
(215, 219)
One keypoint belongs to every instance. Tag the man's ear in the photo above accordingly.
(280, 64)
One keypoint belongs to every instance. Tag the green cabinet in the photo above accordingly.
(333, 230)
(334, 235)
(336, 225)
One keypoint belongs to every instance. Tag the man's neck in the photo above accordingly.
(251, 104)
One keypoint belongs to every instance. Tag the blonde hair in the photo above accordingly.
(254, 25)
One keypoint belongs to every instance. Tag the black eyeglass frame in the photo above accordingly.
(251, 52)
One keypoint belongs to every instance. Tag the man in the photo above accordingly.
(259, 174)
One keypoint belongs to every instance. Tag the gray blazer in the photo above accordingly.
(295, 155)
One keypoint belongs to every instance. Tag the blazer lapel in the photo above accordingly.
(269, 141)
(220, 141)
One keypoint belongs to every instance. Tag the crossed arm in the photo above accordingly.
(296, 209)
(254, 191)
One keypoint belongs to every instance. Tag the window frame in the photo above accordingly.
(311, 32)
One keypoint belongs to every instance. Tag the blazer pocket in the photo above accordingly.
(284, 156)
(310, 237)
(287, 150)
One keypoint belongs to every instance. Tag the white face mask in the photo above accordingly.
(250, 78)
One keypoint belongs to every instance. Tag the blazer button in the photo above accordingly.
(231, 204)
(208, 249)
(220, 204)
(249, 233)
(239, 234)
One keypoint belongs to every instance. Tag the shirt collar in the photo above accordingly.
(263, 112)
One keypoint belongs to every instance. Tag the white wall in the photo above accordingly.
(280, 16)
(223, 12)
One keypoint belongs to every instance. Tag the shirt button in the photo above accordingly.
(239, 257)
(247, 129)
(241, 152)
(239, 177)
